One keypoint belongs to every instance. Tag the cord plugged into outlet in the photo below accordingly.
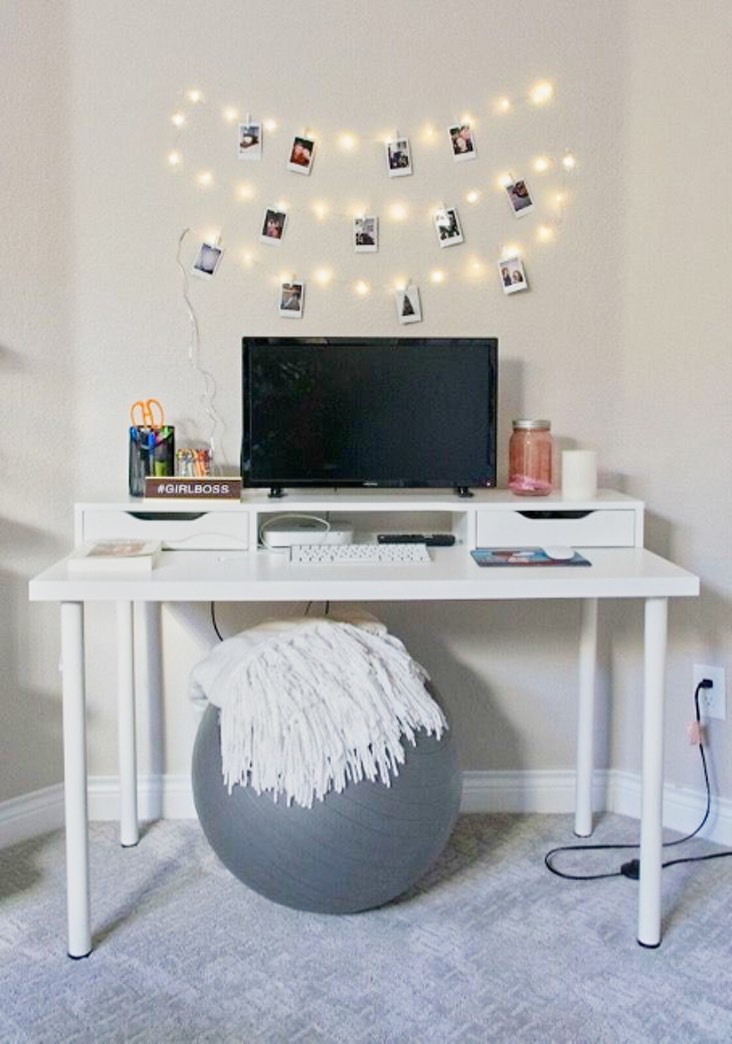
(713, 693)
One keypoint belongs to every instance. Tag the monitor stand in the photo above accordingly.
(463, 491)
(276, 492)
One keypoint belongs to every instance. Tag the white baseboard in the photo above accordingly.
(170, 797)
(30, 815)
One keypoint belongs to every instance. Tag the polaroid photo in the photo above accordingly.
(462, 141)
(398, 157)
(365, 235)
(292, 300)
(521, 201)
(301, 155)
(513, 276)
(250, 141)
(409, 309)
(207, 261)
(273, 226)
(447, 226)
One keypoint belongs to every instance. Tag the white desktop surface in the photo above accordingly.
(452, 575)
(627, 571)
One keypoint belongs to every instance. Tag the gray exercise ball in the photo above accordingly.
(351, 851)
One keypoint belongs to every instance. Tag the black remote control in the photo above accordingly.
(436, 540)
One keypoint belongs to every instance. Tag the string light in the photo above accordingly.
(545, 233)
(568, 161)
(230, 114)
(320, 210)
(323, 276)
(502, 105)
(270, 125)
(541, 93)
(362, 288)
(542, 164)
(178, 119)
(428, 134)
(205, 178)
(504, 180)
(347, 142)
(437, 276)
(195, 96)
(473, 196)
(174, 158)
(398, 212)
(245, 191)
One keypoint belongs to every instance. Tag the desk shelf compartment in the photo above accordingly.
(194, 530)
(575, 528)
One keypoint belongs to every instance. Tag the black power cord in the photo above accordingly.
(213, 621)
(631, 869)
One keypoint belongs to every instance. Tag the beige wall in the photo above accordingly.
(604, 343)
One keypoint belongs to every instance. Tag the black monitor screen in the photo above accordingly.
(369, 412)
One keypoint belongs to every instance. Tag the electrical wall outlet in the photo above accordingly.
(712, 702)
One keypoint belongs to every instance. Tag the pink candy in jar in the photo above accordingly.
(530, 458)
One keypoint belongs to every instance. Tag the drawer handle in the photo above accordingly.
(167, 516)
(555, 514)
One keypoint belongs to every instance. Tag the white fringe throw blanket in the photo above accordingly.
(311, 705)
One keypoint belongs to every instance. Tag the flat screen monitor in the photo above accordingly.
(369, 411)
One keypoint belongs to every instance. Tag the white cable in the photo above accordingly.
(209, 384)
(278, 518)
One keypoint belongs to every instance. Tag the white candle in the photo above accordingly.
(579, 474)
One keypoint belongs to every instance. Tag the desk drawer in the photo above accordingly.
(190, 530)
(533, 526)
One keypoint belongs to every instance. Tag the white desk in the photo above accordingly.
(260, 576)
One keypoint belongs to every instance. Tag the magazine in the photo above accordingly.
(523, 556)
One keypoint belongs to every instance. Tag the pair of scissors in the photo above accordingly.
(147, 413)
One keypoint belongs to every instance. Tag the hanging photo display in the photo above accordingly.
(299, 153)
(207, 261)
(462, 141)
(273, 226)
(513, 276)
(302, 154)
(398, 157)
(519, 198)
(292, 300)
(250, 141)
(409, 308)
(366, 235)
(447, 225)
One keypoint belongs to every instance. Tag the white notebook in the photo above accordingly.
(128, 557)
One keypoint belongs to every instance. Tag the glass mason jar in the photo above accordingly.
(530, 458)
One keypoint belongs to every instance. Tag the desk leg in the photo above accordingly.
(129, 832)
(651, 829)
(586, 718)
(75, 797)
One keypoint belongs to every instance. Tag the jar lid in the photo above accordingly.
(523, 423)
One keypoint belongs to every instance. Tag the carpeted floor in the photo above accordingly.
(488, 947)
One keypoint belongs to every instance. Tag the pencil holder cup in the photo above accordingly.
(152, 452)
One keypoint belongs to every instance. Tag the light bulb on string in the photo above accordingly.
(195, 96)
(398, 212)
(178, 119)
(320, 209)
(568, 161)
(473, 196)
(205, 178)
(545, 233)
(502, 105)
(348, 141)
(541, 164)
(230, 114)
(362, 288)
(174, 158)
(504, 180)
(541, 93)
(270, 125)
(437, 276)
(245, 191)
(323, 276)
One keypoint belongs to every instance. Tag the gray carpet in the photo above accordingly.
(488, 947)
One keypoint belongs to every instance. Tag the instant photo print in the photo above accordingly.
(365, 235)
(513, 276)
(398, 157)
(250, 141)
(409, 308)
(462, 141)
(301, 155)
(207, 260)
(292, 300)
(273, 226)
(519, 198)
(447, 226)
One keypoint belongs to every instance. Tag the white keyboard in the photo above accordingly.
(358, 554)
